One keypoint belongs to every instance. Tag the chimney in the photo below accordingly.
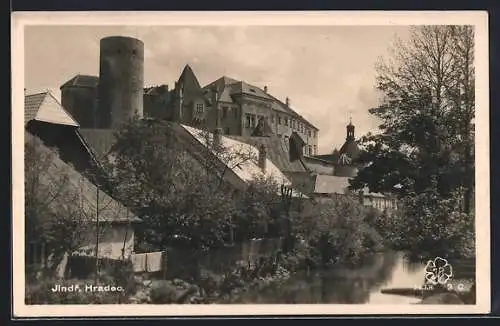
(262, 157)
(287, 101)
(217, 129)
(178, 103)
(265, 89)
(217, 138)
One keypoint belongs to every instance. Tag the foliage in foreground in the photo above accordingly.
(429, 225)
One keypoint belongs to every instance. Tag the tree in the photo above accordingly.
(180, 187)
(56, 217)
(427, 114)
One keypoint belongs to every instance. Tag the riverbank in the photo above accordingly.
(210, 288)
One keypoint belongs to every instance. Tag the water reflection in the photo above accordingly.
(347, 285)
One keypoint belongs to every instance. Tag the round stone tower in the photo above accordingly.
(121, 80)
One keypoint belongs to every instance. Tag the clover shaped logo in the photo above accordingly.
(438, 271)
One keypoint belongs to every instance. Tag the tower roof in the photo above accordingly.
(84, 81)
(188, 79)
(350, 150)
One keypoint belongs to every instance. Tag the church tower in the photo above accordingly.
(344, 166)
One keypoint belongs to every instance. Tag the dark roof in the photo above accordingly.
(45, 107)
(316, 158)
(110, 210)
(277, 152)
(100, 141)
(188, 79)
(31, 105)
(280, 106)
(350, 148)
(156, 90)
(228, 87)
(86, 81)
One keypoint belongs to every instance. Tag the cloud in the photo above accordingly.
(327, 71)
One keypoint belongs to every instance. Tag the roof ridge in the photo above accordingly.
(62, 107)
(37, 93)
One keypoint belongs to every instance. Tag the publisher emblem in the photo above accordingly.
(438, 271)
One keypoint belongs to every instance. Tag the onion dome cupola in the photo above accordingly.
(345, 166)
(350, 150)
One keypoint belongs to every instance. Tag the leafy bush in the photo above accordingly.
(431, 225)
(337, 230)
(163, 293)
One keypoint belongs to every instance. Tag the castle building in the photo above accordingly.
(231, 110)
(241, 105)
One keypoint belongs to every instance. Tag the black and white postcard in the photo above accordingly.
(250, 163)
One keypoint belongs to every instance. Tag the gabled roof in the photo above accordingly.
(188, 79)
(280, 106)
(45, 107)
(351, 149)
(277, 151)
(246, 170)
(228, 87)
(110, 210)
(85, 81)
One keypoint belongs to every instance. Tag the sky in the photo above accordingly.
(327, 72)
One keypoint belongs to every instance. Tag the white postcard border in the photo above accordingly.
(478, 19)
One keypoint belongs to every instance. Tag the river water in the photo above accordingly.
(347, 285)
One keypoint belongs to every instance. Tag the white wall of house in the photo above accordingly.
(113, 238)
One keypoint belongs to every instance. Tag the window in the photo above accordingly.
(315, 150)
(308, 132)
(247, 121)
(286, 121)
(224, 112)
(309, 148)
(235, 112)
(279, 120)
(252, 121)
(199, 108)
(272, 118)
(315, 134)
